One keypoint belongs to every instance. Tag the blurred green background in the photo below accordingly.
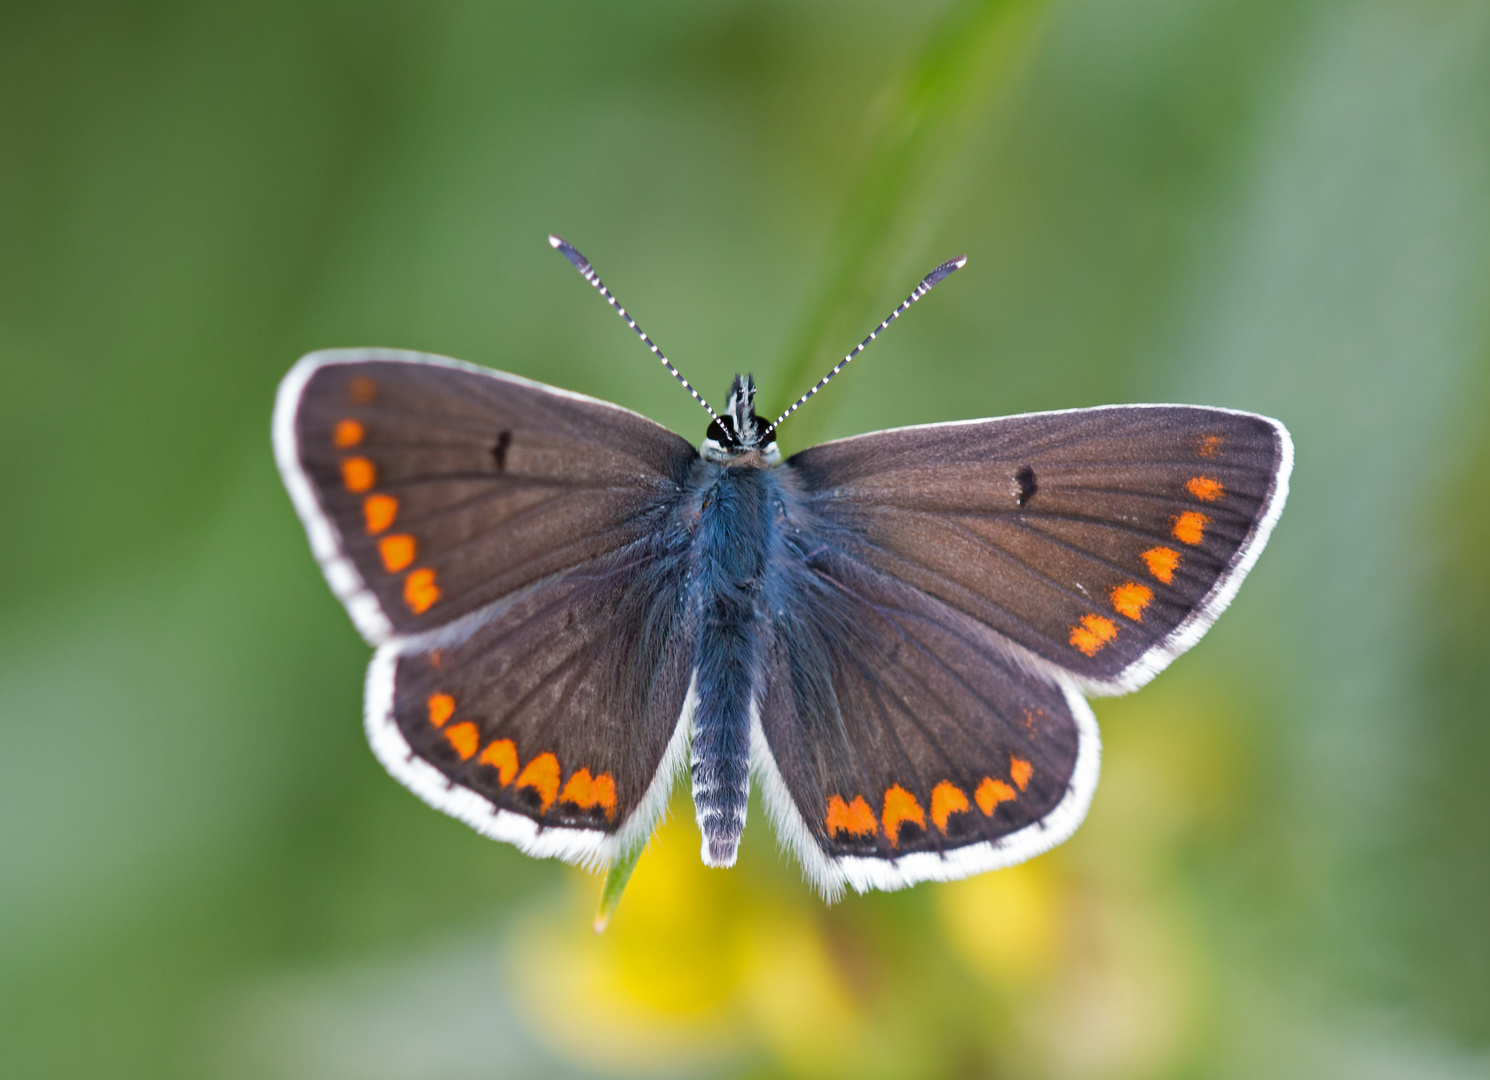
(1275, 205)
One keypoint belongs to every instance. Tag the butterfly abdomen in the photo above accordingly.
(730, 545)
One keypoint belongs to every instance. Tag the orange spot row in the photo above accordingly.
(857, 819)
(1130, 599)
(398, 552)
(1205, 488)
(542, 774)
(1209, 445)
(1092, 633)
(362, 391)
(1189, 527)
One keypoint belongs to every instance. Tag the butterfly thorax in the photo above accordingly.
(739, 437)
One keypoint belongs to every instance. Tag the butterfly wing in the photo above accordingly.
(1102, 541)
(900, 741)
(509, 548)
(953, 590)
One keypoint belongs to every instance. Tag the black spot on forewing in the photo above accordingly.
(499, 450)
(1024, 485)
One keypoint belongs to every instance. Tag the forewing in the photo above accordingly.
(1102, 541)
(431, 489)
(900, 740)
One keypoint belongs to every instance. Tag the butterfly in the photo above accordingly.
(893, 634)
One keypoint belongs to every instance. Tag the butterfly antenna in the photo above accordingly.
(582, 264)
(927, 282)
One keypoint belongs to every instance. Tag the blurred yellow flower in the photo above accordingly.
(659, 988)
(701, 968)
(1002, 924)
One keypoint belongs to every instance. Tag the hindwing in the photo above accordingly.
(900, 741)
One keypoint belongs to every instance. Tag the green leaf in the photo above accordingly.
(615, 884)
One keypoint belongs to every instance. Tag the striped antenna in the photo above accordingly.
(582, 264)
(920, 290)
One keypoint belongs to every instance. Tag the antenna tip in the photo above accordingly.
(570, 252)
(943, 270)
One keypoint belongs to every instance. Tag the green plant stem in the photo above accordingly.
(967, 61)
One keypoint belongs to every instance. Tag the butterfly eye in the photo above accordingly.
(720, 434)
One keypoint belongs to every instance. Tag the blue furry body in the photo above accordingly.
(739, 515)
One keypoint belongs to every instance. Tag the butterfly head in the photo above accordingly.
(739, 437)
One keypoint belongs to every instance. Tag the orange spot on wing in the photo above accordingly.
(441, 708)
(1162, 563)
(420, 591)
(855, 818)
(837, 819)
(1209, 445)
(347, 433)
(502, 756)
(1205, 488)
(397, 552)
(946, 799)
(580, 790)
(1130, 600)
(1189, 527)
(362, 391)
(901, 806)
(990, 793)
(1020, 772)
(1092, 633)
(379, 511)
(465, 738)
(542, 775)
(358, 474)
(605, 795)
